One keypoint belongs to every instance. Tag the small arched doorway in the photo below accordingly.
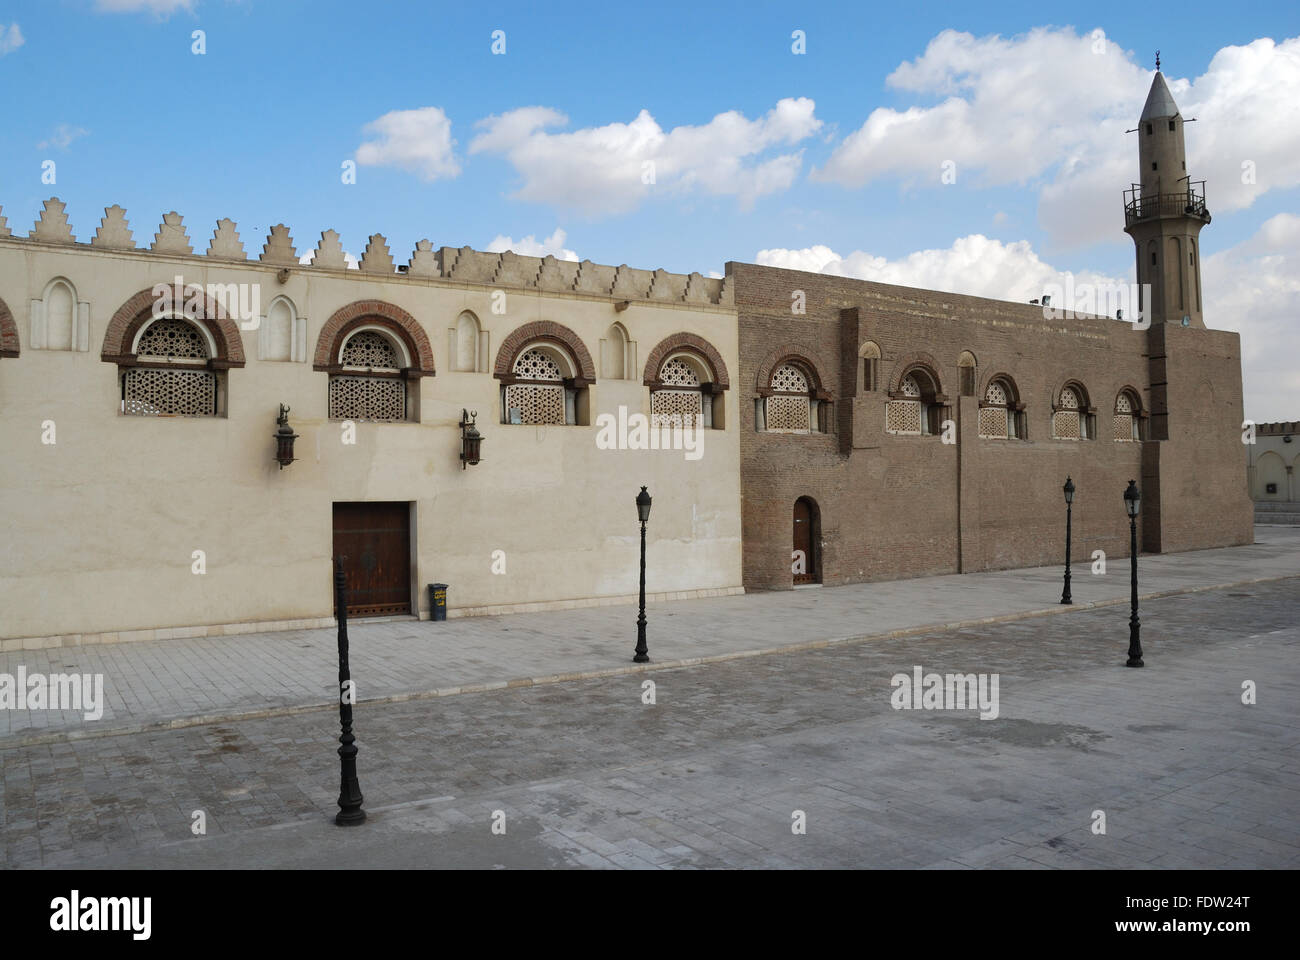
(804, 559)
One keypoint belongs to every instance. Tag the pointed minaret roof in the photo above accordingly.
(1160, 102)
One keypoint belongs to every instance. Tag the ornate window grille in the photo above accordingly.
(1126, 426)
(1067, 419)
(363, 395)
(168, 381)
(680, 402)
(789, 408)
(542, 399)
(995, 417)
(906, 416)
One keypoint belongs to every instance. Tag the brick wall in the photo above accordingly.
(893, 507)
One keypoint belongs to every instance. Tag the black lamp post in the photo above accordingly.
(1069, 499)
(350, 813)
(643, 514)
(1131, 499)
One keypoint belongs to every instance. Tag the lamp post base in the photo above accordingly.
(1134, 662)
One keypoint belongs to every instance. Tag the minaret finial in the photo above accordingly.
(1157, 60)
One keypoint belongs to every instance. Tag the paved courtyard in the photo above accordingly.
(168, 683)
(584, 773)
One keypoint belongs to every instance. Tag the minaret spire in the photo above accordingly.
(1164, 213)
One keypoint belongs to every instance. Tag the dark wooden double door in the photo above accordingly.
(374, 540)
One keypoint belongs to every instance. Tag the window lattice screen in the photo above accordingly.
(535, 365)
(172, 338)
(367, 398)
(910, 387)
(678, 373)
(151, 393)
(1124, 404)
(789, 379)
(1065, 424)
(996, 393)
(788, 413)
(903, 416)
(370, 349)
(537, 403)
(993, 422)
(677, 407)
(1123, 427)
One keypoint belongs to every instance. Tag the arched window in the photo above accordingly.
(688, 382)
(614, 361)
(1127, 421)
(870, 355)
(681, 401)
(283, 334)
(466, 352)
(172, 373)
(966, 370)
(1072, 417)
(538, 394)
(545, 371)
(58, 320)
(916, 407)
(789, 406)
(369, 384)
(1001, 414)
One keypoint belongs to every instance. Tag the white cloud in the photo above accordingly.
(1252, 288)
(975, 265)
(11, 38)
(63, 135)
(613, 168)
(417, 140)
(1044, 109)
(160, 8)
(529, 247)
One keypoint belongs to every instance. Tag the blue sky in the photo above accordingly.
(256, 129)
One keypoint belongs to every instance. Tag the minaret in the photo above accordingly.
(1164, 213)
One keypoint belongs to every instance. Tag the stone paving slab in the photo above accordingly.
(588, 775)
(184, 682)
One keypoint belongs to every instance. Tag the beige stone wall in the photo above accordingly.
(1274, 458)
(99, 528)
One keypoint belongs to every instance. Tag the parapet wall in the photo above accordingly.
(464, 264)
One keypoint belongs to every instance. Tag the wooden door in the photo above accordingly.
(375, 541)
(802, 560)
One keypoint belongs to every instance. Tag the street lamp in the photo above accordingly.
(350, 813)
(643, 514)
(1131, 499)
(1069, 499)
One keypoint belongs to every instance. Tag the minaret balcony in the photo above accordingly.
(1150, 206)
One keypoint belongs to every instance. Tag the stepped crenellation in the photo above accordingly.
(464, 264)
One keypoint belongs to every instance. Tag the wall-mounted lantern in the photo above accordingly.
(470, 439)
(284, 438)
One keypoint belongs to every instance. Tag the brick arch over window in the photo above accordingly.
(911, 362)
(1085, 398)
(545, 330)
(791, 353)
(8, 332)
(1135, 397)
(138, 310)
(366, 312)
(686, 341)
(1006, 378)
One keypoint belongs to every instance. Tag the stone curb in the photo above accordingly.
(177, 723)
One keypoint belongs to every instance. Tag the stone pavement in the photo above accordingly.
(586, 774)
(171, 683)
